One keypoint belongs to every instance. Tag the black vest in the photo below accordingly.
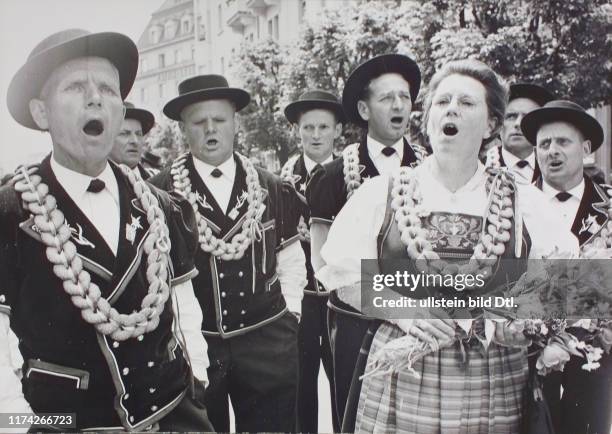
(244, 294)
(68, 365)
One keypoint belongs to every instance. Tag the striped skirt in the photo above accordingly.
(482, 395)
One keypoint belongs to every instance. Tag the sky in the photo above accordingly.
(23, 24)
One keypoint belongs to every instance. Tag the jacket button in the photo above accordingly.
(224, 327)
(224, 313)
(223, 294)
(242, 312)
(125, 371)
(241, 294)
(221, 275)
(2, 298)
(131, 418)
(241, 325)
(150, 364)
(240, 274)
(152, 390)
(140, 338)
(154, 408)
(115, 344)
(126, 396)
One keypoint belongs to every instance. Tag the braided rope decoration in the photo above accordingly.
(407, 204)
(68, 267)
(601, 246)
(493, 161)
(286, 175)
(251, 228)
(352, 176)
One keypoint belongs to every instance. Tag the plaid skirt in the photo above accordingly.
(482, 395)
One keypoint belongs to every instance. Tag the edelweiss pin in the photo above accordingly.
(239, 202)
(78, 237)
(131, 228)
(201, 199)
(590, 225)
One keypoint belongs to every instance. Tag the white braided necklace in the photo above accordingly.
(251, 227)
(67, 265)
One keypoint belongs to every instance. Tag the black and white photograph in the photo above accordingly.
(306, 216)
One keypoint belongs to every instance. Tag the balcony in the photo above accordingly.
(240, 20)
(259, 6)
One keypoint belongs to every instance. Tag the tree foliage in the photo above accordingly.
(562, 44)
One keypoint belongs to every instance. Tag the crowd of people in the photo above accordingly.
(143, 298)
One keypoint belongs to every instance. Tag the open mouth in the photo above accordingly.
(93, 128)
(397, 120)
(450, 129)
(212, 142)
(555, 164)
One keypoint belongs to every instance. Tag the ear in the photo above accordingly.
(337, 130)
(38, 111)
(491, 127)
(363, 109)
(586, 147)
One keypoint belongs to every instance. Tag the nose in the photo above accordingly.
(452, 106)
(93, 95)
(316, 133)
(517, 121)
(210, 126)
(397, 102)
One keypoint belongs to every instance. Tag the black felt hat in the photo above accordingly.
(314, 99)
(145, 117)
(59, 48)
(565, 111)
(531, 91)
(364, 73)
(202, 88)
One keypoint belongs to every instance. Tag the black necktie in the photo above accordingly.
(216, 173)
(96, 186)
(316, 168)
(388, 151)
(563, 196)
(522, 163)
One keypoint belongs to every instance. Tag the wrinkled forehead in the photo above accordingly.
(522, 105)
(97, 67)
(389, 81)
(559, 130)
(130, 124)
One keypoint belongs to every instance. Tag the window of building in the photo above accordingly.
(222, 66)
(143, 94)
(276, 27)
(192, 53)
(161, 90)
(258, 31)
(301, 10)
(178, 58)
(143, 65)
(170, 29)
(220, 16)
(162, 60)
(270, 28)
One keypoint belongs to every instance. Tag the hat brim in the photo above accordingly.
(531, 91)
(175, 106)
(590, 128)
(29, 80)
(296, 108)
(145, 117)
(384, 64)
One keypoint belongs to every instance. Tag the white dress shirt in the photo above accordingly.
(221, 187)
(384, 164)
(353, 234)
(566, 210)
(102, 209)
(311, 164)
(524, 175)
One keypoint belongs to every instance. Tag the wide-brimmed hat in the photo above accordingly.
(531, 91)
(314, 99)
(145, 117)
(202, 88)
(364, 73)
(565, 111)
(59, 48)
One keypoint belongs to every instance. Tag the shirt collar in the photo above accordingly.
(476, 181)
(228, 168)
(576, 192)
(310, 163)
(512, 159)
(375, 147)
(76, 183)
